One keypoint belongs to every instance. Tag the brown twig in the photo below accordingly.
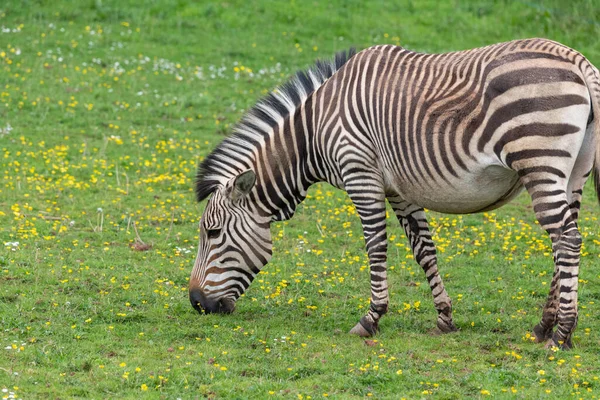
(137, 235)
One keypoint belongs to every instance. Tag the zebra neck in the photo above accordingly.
(283, 167)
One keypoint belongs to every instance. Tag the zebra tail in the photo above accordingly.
(592, 79)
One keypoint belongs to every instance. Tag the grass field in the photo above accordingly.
(107, 106)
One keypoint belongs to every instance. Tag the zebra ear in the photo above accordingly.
(242, 184)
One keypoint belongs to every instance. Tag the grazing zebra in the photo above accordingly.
(460, 132)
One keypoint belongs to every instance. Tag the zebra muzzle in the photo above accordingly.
(206, 305)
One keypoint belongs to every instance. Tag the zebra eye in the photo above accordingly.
(213, 233)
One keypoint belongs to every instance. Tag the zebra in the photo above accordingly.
(459, 132)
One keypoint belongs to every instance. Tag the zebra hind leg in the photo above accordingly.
(413, 220)
(567, 252)
(553, 212)
(543, 330)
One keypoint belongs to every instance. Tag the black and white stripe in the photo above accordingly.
(459, 132)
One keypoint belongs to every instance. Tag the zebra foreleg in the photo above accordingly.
(369, 200)
(376, 241)
(414, 221)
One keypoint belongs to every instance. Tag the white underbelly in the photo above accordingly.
(472, 192)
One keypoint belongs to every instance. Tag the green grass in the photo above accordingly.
(111, 104)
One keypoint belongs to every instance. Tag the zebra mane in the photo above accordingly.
(260, 120)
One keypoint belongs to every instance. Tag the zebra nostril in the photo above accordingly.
(197, 299)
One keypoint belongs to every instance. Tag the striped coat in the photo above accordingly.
(459, 132)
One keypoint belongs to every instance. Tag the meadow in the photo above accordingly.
(107, 106)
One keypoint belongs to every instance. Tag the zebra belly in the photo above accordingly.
(484, 190)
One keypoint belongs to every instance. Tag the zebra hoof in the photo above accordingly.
(365, 328)
(541, 334)
(446, 327)
(566, 345)
(563, 345)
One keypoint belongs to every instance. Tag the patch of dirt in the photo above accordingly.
(138, 246)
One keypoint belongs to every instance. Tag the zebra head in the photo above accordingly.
(235, 242)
